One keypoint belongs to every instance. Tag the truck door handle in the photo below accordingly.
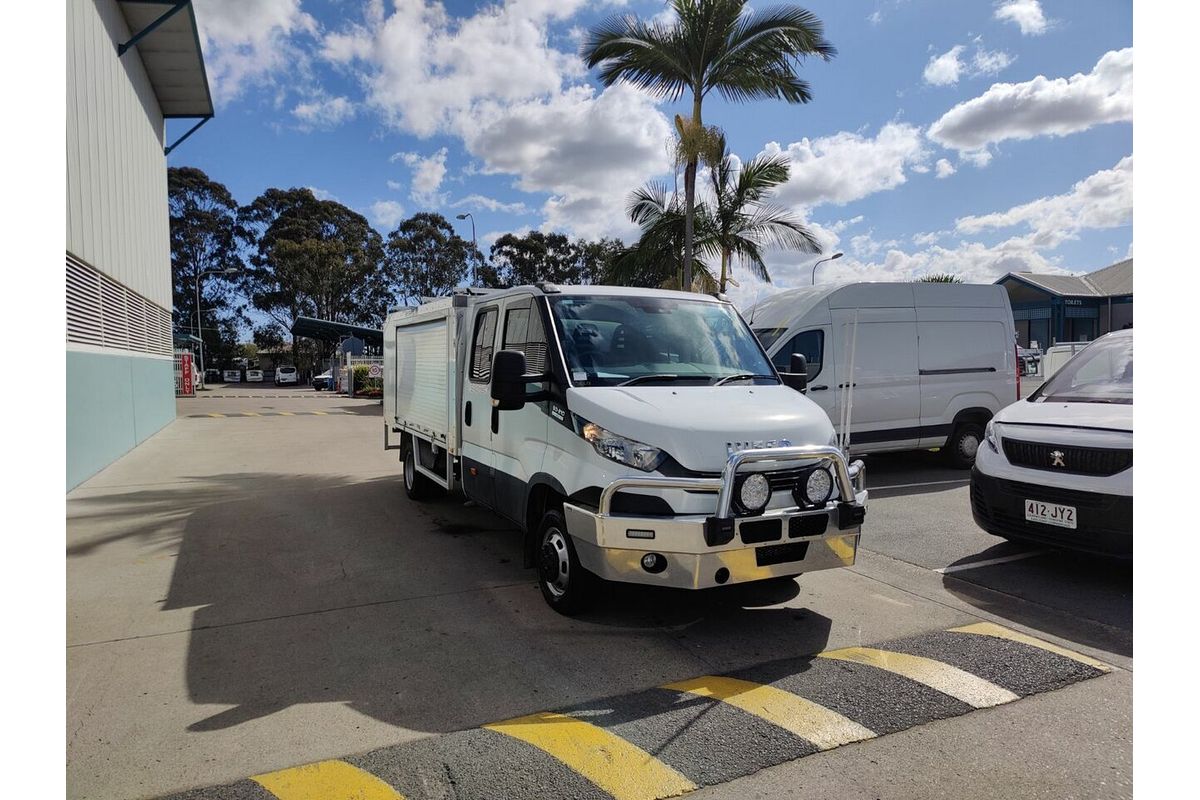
(817, 388)
(467, 414)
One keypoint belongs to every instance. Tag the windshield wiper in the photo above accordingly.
(742, 376)
(663, 377)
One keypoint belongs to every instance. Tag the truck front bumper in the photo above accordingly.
(699, 552)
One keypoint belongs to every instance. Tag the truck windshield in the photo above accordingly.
(609, 340)
(1101, 373)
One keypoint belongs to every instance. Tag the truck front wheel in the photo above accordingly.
(565, 584)
(416, 485)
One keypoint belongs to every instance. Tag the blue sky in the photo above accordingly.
(974, 137)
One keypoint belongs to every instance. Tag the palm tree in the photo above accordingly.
(656, 259)
(713, 44)
(744, 222)
(939, 277)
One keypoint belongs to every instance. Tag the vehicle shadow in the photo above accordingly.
(1078, 597)
(362, 409)
(319, 589)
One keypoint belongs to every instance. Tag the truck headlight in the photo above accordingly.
(818, 487)
(620, 449)
(989, 436)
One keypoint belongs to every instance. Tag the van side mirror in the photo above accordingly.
(508, 380)
(797, 374)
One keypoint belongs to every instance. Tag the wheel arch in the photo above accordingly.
(545, 491)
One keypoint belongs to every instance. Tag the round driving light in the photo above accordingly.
(818, 487)
(654, 563)
(754, 493)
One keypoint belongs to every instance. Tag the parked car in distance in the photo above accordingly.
(212, 376)
(1058, 355)
(932, 362)
(254, 376)
(323, 381)
(284, 375)
(1057, 467)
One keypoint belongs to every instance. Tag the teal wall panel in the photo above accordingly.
(114, 402)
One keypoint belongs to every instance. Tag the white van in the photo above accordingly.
(933, 362)
(635, 435)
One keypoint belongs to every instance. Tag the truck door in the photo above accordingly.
(478, 463)
(519, 437)
(813, 344)
(887, 391)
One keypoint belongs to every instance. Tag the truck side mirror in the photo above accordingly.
(508, 380)
(797, 374)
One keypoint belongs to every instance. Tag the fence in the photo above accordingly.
(361, 376)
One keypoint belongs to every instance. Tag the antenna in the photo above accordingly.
(848, 396)
(754, 310)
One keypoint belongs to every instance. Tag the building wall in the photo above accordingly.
(120, 375)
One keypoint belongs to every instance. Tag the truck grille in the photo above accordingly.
(1073, 460)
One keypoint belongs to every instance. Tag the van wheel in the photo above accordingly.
(416, 485)
(964, 443)
(565, 584)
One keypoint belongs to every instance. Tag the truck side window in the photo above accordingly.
(810, 344)
(483, 345)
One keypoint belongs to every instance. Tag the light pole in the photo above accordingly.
(474, 246)
(199, 328)
(833, 257)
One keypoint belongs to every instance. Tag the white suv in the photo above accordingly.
(1057, 467)
(286, 375)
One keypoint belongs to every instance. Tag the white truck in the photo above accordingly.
(633, 435)
(933, 362)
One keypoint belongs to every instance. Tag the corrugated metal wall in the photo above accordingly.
(116, 172)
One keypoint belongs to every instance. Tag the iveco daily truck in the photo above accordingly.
(633, 435)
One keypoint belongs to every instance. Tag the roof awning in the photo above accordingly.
(329, 331)
(168, 41)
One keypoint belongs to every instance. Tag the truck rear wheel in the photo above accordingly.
(416, 486)
(566, 585)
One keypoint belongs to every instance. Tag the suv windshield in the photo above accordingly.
(615, 339)
(1101, 373)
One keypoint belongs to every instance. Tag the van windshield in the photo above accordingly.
(1100, 373)
(609, 340)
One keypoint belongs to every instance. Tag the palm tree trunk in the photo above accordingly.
(689, 193)
(724, 268)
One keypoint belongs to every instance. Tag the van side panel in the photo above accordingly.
(885, 414)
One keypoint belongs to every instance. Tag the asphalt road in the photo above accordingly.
(250, 590)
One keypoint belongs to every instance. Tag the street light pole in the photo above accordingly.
(474, 246)
(833, 257)
(199, 326)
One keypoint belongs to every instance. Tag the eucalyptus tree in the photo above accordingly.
(744, 221)
(711, 45)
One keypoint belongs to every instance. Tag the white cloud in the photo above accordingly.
(490, 203)
(395, 186)
(324, 112)
(1041, 107)
(427, 175)
(990, 62)
(387, 213)
(842, 224)
(875, 17)
(848, 166)
(944, 70)
(250, 42)
(321, 194)
(1027, 14)
(927, 238)
(944, 168)
(1101, 200)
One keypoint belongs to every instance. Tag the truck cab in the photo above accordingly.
(635, 435)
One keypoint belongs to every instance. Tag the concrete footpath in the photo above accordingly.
(251, 593)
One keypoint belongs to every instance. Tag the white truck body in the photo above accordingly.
(643, 453)
(932, 363)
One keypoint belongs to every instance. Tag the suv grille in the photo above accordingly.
(1073, 460)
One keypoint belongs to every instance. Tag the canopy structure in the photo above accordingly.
(329, 331)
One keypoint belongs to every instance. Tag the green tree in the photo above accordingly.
(204, 238)
(537, 256)
(718, 45)
(744, 222)
(939, 277)
(657, 258)
(314, 258)
(426, 258)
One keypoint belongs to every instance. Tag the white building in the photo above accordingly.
(130, 66)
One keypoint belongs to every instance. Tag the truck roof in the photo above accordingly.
(784, 307)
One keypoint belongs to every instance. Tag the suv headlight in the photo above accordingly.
(625, 451)
(989, 436)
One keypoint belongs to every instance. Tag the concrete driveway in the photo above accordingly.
(250, 590)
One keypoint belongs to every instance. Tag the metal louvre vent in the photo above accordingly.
(104, 313)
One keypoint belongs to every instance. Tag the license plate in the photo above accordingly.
(1050, 514)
